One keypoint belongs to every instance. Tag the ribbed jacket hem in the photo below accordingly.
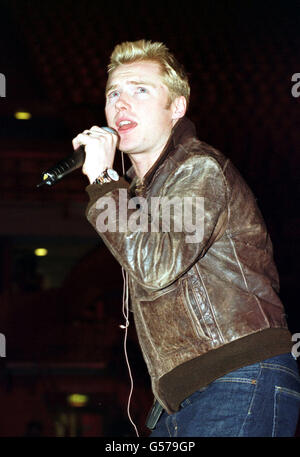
(185, 379)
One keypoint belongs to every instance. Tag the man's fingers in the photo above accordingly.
(95, 128)
(93, 132)
(83, 139)
(100, 147)
(102, 131)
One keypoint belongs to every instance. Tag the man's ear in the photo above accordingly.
(178, 107)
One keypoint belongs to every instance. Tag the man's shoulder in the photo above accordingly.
(195, 151)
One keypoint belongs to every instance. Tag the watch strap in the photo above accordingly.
(104, 177)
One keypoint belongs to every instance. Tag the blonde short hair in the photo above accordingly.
(173, 73)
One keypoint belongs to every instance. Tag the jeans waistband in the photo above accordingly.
(283, 362)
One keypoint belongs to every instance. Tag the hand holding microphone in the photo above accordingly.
(94, 149)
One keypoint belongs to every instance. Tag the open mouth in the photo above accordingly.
(126, 125)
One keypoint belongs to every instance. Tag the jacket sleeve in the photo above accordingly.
(159, 242)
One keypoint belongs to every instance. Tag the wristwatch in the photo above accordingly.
(107, 175)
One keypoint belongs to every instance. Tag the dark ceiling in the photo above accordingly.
(240, 56)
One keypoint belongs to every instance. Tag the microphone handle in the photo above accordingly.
(67, 165)
(63, 167)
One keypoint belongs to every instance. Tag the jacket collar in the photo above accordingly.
(181, 131)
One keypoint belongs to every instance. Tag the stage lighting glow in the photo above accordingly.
(41, 252)
(77, 400)
(22, 115)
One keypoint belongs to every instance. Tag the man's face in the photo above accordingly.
(136, 106)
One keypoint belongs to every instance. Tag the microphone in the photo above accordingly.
(67, 165)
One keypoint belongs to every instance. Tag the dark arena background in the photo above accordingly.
(62, 368)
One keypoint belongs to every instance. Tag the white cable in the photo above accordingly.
(123, 166)
(125, 310)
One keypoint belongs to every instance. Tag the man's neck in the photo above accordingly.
(143, 162)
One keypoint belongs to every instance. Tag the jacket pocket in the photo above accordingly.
(170, 323)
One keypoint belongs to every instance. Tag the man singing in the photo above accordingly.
(210, 324)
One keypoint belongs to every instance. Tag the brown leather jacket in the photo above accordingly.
(206, 307)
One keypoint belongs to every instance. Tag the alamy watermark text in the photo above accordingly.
(2, 345)
(296, 87)
(2, 85)
(157, 214)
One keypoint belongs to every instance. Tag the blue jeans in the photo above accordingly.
(257, 400)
